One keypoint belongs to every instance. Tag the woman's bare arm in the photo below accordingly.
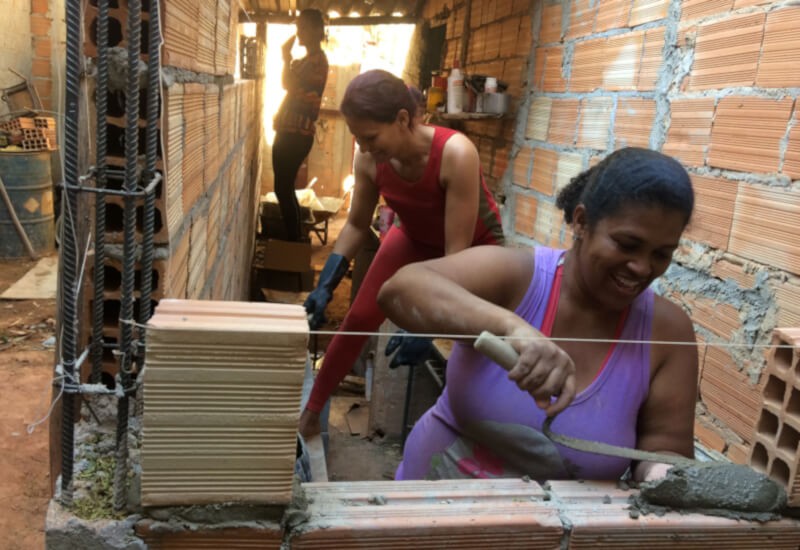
(460, 172)
(365, 198)
(666, 420)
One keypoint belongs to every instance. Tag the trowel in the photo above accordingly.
(717, 488)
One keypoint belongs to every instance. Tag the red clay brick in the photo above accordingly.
(709, 436)
(690, 130)
(509, 37)
(41, 25)
(738, 453)
(548, 225)
(539, 118)
(778, 66)
(39, 7)
(475, 20)
(41, 68)
(757, 149)
(623, 54)
(715, 200)
(551, 24)
(563, 121)
(589, 62)
(524, 214)
(514, 75)
(582, 18)
(726, 53)
(719, 318)
(159, 536)
(488, 11)
(787, 297)
(42, 46)
(791, 162)
(645, 11)
(552, 77)
(545, 163)
(765, 226)
(503, 9)
(612, 14)
(745, 3)
(595, 120)
(521, 167)
(493, 33)
(694, 9)
(729, 394)
(633, 122)
(652, 58)
(525, 34)
(732, 268)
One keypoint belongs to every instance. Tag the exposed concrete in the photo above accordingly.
(727, 490)
(118, 70)
(64, 531)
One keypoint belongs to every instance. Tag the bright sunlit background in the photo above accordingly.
(374, 47)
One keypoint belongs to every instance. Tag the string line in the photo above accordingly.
(439, 336)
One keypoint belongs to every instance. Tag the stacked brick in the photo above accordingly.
(31, 133)
(684, 78)
(207, 144)
(776, 447)
(476, 514)
(221, 402)
(41, 26)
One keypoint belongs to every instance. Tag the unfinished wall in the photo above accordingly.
(210, 130)
(715, 84)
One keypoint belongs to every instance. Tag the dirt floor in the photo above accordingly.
(25, 368)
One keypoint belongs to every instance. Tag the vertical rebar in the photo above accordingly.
(101, 103)
(128, 248)
(69, 246)
(151, 153)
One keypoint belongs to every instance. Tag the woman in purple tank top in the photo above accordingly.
(604, 371)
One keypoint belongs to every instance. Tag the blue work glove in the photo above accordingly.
(411, 350)
(335, 268)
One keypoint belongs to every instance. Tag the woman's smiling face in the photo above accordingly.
(379, 139)
(625, 252)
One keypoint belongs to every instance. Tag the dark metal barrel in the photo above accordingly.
(28, 181)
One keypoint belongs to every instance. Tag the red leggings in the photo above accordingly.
(396, 250)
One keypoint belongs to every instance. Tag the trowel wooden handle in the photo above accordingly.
(496, 349)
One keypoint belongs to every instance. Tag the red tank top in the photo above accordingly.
(421, 204)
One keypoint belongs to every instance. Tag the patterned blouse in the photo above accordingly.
(304, 81)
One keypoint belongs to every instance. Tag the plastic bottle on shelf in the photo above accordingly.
(490, 87)
(455, 89)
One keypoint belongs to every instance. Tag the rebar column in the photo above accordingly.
(69, 246)
(127, 344)
(101, 103)
(151, 156)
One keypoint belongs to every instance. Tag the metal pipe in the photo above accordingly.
(127, 349)
(69, 251)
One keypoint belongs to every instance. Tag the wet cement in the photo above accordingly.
(719, 489)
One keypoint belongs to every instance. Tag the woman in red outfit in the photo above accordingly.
(431, 177)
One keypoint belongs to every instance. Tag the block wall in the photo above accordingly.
(712, 83)
(208, 157)
(497, 37)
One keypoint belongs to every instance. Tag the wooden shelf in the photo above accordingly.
(467, 116)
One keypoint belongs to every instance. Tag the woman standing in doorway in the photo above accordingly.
(304, 81)
(431, 177)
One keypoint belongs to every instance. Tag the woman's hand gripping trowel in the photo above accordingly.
(717, 488)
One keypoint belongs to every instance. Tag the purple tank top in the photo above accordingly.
(484, 426)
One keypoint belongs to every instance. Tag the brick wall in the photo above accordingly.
(208, 155)
(710, 83)
(498, 35)
(714, 84)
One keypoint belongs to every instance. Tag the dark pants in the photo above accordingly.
(288, 153)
